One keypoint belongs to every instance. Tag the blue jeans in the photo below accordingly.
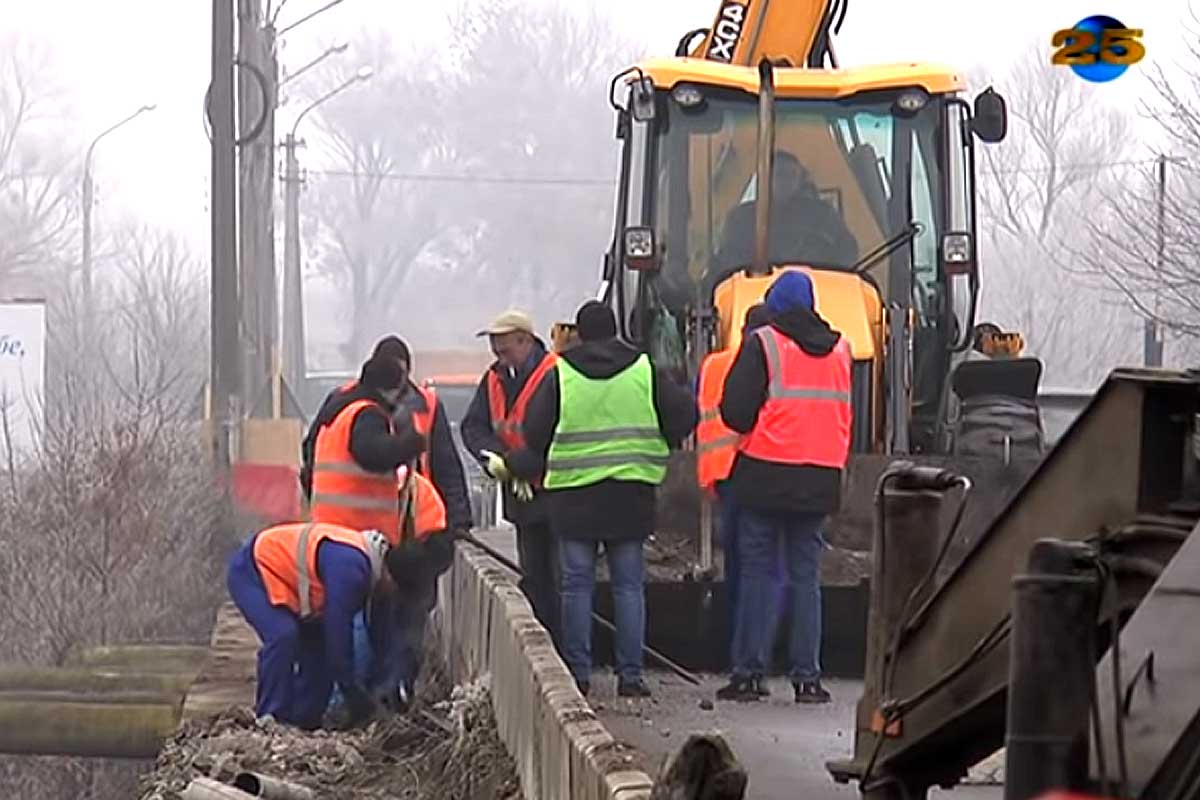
(293, 683)
(627, 568)
(764, 540)
(728, 522)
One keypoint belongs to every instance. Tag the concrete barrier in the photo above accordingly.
(486, 627)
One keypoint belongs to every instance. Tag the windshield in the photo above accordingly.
(849, 175)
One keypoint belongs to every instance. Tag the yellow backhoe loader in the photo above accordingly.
(875, 199)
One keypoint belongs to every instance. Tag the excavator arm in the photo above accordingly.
(787, 32)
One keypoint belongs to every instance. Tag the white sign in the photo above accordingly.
(22, 372)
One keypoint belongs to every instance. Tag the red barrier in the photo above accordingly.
(269, 491)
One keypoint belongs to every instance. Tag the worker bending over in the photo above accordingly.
(716, 446)
(789, 392)
(299, 586)
(494, 430)
(603, 423)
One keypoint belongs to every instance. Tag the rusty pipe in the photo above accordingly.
(257, 785)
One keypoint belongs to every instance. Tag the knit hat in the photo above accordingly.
(595, 322)
(382, 373)
(789, 291)
(393, 347)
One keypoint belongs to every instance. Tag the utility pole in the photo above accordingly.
(1152, 346)
(257, 93)
(225, 366)
(293, 303)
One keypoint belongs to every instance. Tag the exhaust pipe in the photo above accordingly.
(766, 161)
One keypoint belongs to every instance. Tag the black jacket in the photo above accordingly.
(611, 510)
(445, 466)
(765, 485)
(371, 445)
(478, 434)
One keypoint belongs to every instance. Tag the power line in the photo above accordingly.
(466, 178)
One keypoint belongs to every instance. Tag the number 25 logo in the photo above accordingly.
(1117, 46)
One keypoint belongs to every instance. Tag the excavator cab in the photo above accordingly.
(871, 190)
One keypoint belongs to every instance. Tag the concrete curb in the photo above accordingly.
(486, 627)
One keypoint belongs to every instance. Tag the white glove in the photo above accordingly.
(495, 466)
(523, 490)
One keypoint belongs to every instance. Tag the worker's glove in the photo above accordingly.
(523, 490)
(495, 466)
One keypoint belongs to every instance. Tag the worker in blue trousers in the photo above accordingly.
(299, 586)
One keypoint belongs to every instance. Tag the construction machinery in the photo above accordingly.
(886, 229)
(1064, 633)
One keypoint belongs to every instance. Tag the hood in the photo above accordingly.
(804, 327)
(601, 359)
(339, 403)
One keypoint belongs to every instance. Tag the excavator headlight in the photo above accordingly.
(912, 101)
(641, 254)
(956, 251)
(687, 95)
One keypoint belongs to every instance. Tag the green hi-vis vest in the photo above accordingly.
(607, 429)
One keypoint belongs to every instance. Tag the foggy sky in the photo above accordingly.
(114, 56)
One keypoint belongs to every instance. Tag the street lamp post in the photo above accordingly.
(88, 201)
(293, 308)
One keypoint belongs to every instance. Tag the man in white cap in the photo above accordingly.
(493, 429)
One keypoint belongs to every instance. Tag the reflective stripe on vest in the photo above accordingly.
(607, 429)
(509, 426)
(423, 424)
(807, 415)
(286, 557)
(343, 492)
(421, 507)
(716, 444)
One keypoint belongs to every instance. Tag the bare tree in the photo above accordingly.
(545, 218)
(370, 228)
(36, 201)
(1032, 188)
(1143, 240)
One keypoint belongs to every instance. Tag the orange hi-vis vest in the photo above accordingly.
(423, 423)
(509, 425)
(807, 414)
(286, 556)
(716, 445)
(343, 493)
(422, 510)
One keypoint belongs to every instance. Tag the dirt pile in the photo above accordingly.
(445, 747)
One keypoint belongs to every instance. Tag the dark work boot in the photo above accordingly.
(740, 689)
(811, 692)
(760, 686)
(634, 688)
(584, 687)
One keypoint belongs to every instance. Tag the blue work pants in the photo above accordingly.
(626, 566)
(728, 534)
(293, 682)
(765, 539)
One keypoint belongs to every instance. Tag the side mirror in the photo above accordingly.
(641, 251)
(642, 101)
(990, 119)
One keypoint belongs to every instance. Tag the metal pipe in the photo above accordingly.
(1052, 666)
(208, 789)
(257, 785)
(766, 162)
(608, 626)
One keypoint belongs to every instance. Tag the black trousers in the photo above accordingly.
(537, 551)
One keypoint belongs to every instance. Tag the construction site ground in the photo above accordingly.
(783, 746)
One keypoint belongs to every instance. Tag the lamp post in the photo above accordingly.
(293, 308)
(88, 201)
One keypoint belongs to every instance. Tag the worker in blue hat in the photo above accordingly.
(788, 394)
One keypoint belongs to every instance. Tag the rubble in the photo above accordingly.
(446, 746)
